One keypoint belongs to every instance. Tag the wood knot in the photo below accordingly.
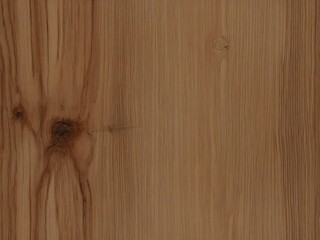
(220, 45)
(18, 112)
(63, 132)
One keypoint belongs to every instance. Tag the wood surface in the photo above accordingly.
(159, 119)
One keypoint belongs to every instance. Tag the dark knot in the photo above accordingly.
(63, 132)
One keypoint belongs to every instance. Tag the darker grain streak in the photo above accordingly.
(317, 120)
(294, 123)
(9, 160)
(30, 204)
(31, 36)
(92, 69)
(6, 36)
(59, 27)
(43, 184)
(122, 56)
(14, 50)
(2, 97)
(37, 51)
(86, 206)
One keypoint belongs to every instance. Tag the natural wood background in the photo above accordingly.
(160, 119)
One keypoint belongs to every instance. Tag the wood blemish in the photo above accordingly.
(64, 132)
(220, 45)
(18, 112)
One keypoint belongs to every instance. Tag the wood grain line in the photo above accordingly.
(297, 122)
(316, 227)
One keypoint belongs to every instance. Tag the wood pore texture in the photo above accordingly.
(159, 120)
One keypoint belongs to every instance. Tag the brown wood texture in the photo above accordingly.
(159, 119)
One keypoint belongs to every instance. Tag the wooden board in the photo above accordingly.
(159, 119)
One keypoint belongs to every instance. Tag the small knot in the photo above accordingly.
(18, 112)
(220, 45)
(63, 132)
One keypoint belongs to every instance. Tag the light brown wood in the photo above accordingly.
(159, 119)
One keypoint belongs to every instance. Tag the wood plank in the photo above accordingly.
(159, 119)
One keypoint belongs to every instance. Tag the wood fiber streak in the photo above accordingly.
(297, 123)
(151, 120)
(316, 90)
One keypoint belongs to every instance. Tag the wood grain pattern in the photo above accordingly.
(159, 119)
